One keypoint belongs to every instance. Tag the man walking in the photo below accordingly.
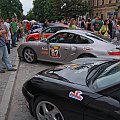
(4, 57)
(13, 26)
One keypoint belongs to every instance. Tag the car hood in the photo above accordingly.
(70, 73)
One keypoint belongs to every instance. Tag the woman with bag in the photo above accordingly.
(105, 29)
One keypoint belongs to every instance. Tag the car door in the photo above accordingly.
(104, 108)
(59, 47)
(79, 45)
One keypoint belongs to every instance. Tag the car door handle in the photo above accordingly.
(66, 48)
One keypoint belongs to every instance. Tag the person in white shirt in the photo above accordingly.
(7, 24)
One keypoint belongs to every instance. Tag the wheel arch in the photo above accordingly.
(86, 54)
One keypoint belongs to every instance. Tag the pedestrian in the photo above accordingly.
(117, 33)
(96, 25)
(88, 24)
(28, 26)
(4, 56)
(8, 43)
(105, 29)
(114, 28)
(72, 24)
(111, 26)
(83, 26)
(13, 26)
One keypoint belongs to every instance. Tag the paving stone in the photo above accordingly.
(18, 110)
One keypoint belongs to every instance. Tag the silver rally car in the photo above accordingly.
(67, 45)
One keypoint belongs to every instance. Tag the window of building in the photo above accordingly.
(97, 3)
(117, 0)
(102, 2)
(110, 1)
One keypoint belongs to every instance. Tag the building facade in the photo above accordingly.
(105, 8)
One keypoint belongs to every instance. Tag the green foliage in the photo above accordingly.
(30, 15)
(10, 7)
(51, 9)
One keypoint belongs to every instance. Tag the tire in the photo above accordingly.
(29, 55)
(46, 109)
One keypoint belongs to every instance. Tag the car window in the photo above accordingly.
(98, 37)
(50, 30)
(61, 28)
(60, 38)
(110, 77)
(35, 27)
(82, 40)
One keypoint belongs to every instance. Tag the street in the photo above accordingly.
(18, 109)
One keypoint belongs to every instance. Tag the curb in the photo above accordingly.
(6, 99)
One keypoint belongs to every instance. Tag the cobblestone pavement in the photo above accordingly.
(18, 109)
(5, 76)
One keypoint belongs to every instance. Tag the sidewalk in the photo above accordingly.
(7, 81)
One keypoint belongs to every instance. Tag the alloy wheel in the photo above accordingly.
(48, 111)
(29, 55)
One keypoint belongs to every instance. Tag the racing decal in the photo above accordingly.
(74, 66)
(87, 48)
(44, 48)
(55, 51)
(44, 53)
(71, 66)
(77, 95)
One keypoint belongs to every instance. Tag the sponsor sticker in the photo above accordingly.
(44, 53)
(55, 51)
(76, 95)
(71, 66)
(45, 48)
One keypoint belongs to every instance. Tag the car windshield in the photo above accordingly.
(98, 37)
(109, 77)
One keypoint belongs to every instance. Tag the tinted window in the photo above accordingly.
(98, 37)
(50, 30)
(61, 28)
(82, 40)
(110, 77)
(61, 38)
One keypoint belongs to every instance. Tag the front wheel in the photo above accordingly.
(29, 55)
(45, 109)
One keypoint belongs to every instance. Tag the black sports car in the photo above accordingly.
(86, 89)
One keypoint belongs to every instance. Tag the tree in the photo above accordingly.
(30, 15)
(10, 8)
(52, 10)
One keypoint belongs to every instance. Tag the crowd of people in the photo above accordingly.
(109, 28)
(12, 30)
